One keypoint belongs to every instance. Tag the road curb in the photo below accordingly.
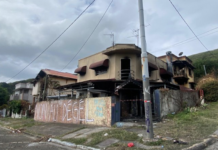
(202, 145)
(69, 144)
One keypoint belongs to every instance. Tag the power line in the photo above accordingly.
(188, 40)
(89, 36)
(52, 42)
(188, 26)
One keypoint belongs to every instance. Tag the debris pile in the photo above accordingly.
(17, 130)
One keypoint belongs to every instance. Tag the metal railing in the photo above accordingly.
(125, 73)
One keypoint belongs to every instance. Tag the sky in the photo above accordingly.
(27, 27)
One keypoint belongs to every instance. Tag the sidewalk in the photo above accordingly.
(92, 136)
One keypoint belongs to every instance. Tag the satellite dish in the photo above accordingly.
(180, 54)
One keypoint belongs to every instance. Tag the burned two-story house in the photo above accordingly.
(182, 67)
(116, 72)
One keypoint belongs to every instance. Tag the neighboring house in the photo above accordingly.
(23, 91)
(47, 80)
(116, 72)
(183, 70)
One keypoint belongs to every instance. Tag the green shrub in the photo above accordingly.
(210, 91)
(4, 106)
(15, 106)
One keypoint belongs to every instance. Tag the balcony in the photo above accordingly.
(23, 86)
(180, 77)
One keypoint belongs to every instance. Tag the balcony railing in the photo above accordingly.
(125, 73)
(23, 86)
(180, 75)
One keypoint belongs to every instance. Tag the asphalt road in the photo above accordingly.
(19, 141)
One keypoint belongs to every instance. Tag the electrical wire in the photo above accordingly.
(89, 36)
(188, 25)
(188, 40)
(52, 42)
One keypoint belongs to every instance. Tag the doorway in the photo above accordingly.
(125, 68)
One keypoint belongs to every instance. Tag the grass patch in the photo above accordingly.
(155, 143)
(78, 141)
(193, 127)
(19, 123)
(112, 133)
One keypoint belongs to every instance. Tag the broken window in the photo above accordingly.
(190, 72)
(125, 68)
(99, 71)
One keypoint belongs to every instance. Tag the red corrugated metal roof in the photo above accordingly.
(59, 74)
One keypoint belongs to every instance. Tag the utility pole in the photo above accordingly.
(205, 70)
(145, 76)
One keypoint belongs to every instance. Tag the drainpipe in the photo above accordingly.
(169, 63)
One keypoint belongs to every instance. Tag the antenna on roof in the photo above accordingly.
(112, 36)
(136, 34)
(180, 54)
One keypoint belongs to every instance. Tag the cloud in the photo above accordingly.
(27, 27)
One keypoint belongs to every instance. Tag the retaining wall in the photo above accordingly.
(172, 101)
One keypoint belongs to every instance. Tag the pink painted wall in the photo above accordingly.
(96, 111)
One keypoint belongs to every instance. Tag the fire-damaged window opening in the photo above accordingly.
(190, 72)
(95, 95)
(175, 69)
(100, 70)
(149, 71)
(125, 68)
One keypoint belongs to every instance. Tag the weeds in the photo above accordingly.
(78, 141)
(192, 126)
(114, 133)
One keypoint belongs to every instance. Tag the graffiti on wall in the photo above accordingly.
(99, 105)
(91, 111)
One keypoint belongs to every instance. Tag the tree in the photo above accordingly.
(4, 96)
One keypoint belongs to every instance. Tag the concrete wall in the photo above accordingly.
(22, 94)
(96, 111)
(90, 73)
(114, 69)
(63, 81)
(172, 100)
(36, 89)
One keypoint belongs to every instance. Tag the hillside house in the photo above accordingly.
(23, 91)
(183, 73)
(47, 80)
